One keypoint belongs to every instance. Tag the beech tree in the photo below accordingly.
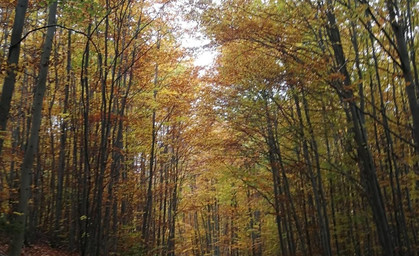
(30, 151)
(299, 139)
(12, 65)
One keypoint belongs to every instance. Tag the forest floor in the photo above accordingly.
(38, 249)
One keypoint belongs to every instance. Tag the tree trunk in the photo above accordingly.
(367, 166)
(315, 182)
(274, 163)
(149, 199)
(18, 237)
(63, 140)
(12, 63)
(406, 68)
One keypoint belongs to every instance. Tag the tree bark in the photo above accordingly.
(367, 166)
(63, 140)
(12, 63)
(26, 169)
(398, 29)
(149, 199)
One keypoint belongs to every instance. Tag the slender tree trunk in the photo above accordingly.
(270, 141)
(149, 199)
(85, 176)
(399, 32)
(316, 185)
(367, 166)
(63, 140)
(173, 210)
(12, 66)
(392, 165)
(18, 237)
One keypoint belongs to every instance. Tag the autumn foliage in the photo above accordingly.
(302, 138)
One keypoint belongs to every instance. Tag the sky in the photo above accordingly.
(193, 39)
(204, 56)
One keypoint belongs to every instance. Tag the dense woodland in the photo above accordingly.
(302, 138)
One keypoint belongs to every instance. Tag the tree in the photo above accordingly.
(12, 63)
(27, 164)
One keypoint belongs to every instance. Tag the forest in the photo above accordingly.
(300, 137)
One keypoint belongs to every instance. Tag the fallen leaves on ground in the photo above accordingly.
(39, 250)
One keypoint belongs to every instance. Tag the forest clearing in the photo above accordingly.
(209, 127)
